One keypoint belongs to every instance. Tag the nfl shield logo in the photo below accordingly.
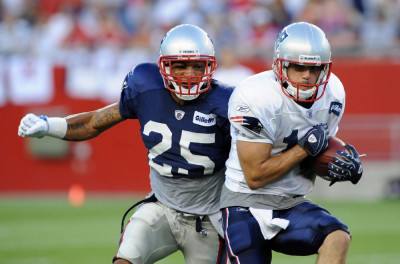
(179, 114)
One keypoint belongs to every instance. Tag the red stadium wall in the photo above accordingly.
(364, 80)
(117, 160)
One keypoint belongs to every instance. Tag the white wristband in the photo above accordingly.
(57, 127)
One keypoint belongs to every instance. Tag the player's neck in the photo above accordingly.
(178, 100)
(306, 104)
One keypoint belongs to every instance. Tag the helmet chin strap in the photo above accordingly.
(294, 91)
(186, 96)
(298, 93)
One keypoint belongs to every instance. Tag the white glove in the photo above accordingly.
(38, 126)
(33, 126)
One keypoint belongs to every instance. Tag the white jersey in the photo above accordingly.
(260, 112)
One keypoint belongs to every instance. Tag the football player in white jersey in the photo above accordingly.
(280, 119)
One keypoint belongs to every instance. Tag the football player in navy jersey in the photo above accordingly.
(279, 118)
(182, 113)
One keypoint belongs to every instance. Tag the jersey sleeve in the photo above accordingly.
(249, 122)
(127, 103)
(338, 106)
(335, 126)
(222, 99)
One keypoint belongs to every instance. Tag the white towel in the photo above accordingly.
(269, 226)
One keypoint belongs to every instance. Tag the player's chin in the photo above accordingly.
(304, 87)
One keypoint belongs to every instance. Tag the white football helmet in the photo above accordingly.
(303, 44)
(187, 43)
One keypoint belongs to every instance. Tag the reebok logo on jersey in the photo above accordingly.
(336, 108)
(248, 122)
(204, 119)
(242, 108)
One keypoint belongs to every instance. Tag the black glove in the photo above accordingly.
(346, 166)
(315, 140)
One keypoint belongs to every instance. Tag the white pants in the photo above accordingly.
(155, 231)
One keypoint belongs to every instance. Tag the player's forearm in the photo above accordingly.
(80, 127)
(88, 125)
(274, 167)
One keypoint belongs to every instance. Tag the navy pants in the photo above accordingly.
(309, 225)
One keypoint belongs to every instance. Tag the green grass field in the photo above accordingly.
(48, 230)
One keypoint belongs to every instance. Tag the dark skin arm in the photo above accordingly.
(260, 168)
(88, 125)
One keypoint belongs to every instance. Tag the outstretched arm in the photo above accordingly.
(76, 127)
(88, 125)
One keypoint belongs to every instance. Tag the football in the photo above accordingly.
(320, 162)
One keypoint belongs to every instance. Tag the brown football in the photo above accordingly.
(320, 162)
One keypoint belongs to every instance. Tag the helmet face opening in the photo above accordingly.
(304, 46)
(300, 91)
(191, 48)
(187, 86)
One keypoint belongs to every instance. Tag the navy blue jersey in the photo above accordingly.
(190, 140)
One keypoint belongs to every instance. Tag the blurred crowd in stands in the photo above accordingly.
(91, 37)
(249, 27)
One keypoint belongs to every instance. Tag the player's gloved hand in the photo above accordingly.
(346, 166)
(315, 140)
(32, 125)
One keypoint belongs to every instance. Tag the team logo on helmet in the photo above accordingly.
(281, 38)
(124, 85)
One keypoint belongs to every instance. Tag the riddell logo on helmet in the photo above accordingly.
(310, 59)
(189, 51)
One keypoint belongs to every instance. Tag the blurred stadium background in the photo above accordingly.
(61, 202)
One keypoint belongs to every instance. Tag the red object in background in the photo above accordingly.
(50, 7)
(371, 85)
(76, 195)
(118, 161)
